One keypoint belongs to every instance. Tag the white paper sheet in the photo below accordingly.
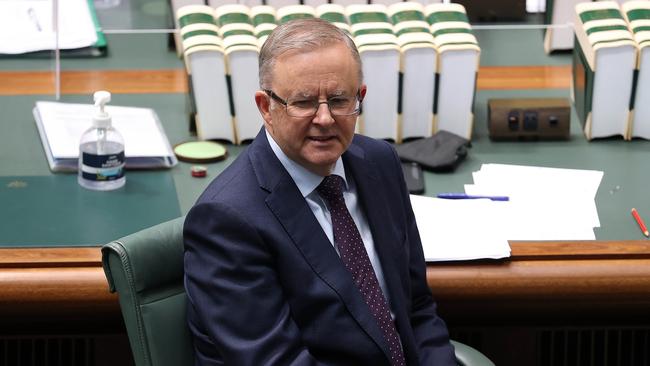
(546, 203)
(460, 229)
(28, 25)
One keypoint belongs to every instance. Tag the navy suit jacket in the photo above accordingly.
(266, 287)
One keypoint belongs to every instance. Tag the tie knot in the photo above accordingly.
(331, 188)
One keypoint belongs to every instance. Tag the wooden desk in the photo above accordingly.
(550, 281)
(601, 283)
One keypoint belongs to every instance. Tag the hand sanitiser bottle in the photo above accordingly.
(101, 151)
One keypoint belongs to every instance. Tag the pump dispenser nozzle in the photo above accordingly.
(101, 118)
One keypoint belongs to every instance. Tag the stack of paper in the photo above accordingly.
(28, 26)
(460, 229)
(544, 204)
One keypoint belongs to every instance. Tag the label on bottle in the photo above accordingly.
(102, 167)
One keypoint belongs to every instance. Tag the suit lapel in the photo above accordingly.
(290, 208)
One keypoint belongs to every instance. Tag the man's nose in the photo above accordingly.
(323, 114)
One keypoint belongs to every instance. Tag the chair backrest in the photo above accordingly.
(146, 270)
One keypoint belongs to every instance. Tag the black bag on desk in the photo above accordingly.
(441, 152)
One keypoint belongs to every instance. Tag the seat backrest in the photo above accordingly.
(146, 270)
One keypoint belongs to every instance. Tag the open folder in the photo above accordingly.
(61, 125)
(29, 28)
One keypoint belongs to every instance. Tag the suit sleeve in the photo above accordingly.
(237, 309)
(430, 331)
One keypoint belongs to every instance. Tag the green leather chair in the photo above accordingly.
(146, 270)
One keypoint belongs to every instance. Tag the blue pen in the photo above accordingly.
(463, 196)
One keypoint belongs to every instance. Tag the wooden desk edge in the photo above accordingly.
(520, 250)
(50, 257)
(604, 273)
(583, 249)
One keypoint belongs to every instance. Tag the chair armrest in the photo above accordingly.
(468, 356)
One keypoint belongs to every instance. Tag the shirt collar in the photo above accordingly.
(304, 179)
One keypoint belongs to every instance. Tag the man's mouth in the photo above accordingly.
(321, 138)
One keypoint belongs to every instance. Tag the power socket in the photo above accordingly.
(529, 119)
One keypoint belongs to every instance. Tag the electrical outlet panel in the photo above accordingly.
(529, 119)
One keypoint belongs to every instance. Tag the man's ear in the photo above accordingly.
(264, 105)
(362, 90)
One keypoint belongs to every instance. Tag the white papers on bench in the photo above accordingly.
(27, 25)
(544, 204)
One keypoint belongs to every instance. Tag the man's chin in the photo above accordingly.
(321, 164)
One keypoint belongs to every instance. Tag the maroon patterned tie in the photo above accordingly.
(355, 258)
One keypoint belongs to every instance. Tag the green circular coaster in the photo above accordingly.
(200, 152)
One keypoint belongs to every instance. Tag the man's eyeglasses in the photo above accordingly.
(303, 108)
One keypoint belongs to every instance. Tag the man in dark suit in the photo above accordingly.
(305, 251)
